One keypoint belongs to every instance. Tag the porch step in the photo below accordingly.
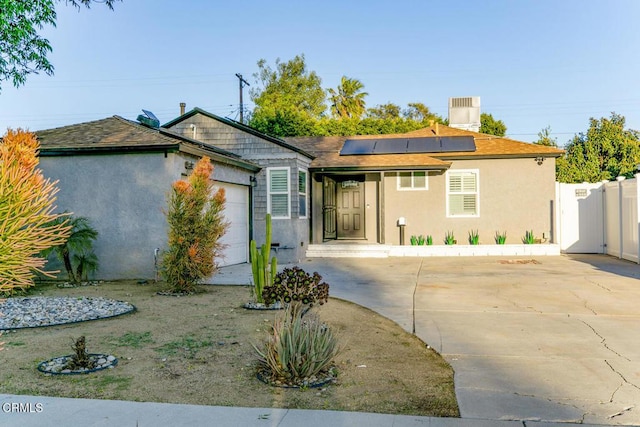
(348, 251)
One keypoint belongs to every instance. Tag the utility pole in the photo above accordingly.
(242, 82)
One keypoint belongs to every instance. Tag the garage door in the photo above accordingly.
(237, 213)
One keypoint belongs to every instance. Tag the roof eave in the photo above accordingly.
(239, 126)
(377, 168)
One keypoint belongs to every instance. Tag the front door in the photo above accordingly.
(329, 218)
(350, 209)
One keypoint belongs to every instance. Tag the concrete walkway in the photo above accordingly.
(532, 345)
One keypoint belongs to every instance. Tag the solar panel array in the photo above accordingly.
(430, 144)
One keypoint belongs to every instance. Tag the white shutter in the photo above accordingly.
(278, 192)
(463, 194)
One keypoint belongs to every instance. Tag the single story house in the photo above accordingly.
(118, 174)
(435, 180)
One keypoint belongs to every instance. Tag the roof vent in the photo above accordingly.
(464, 113)
(149, 119)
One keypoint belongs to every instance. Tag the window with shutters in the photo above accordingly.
(416, 180)
(463, 193)
(302, 193)
(278, 193)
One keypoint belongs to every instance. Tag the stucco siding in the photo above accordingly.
(124, 197)
(515, 195)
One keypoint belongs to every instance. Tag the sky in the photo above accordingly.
(534, 64)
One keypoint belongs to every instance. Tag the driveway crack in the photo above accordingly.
(625, 381)
(584, 303)
(603, 341)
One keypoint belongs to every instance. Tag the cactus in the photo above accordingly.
(264, 270)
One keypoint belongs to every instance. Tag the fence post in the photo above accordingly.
(637, 224)
(620, 216)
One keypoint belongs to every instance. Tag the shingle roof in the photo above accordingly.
(327, 150)
(487, 145)
(116, 134)
(239, 126)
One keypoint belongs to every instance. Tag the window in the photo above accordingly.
(463, 194)
(413, 180)
(302, 193)
(278, 192)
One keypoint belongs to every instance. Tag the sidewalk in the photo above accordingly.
(37, 411)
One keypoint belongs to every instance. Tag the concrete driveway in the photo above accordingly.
(557, 340)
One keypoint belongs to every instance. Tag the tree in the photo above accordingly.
(544, 138)
(491, 126)
(26, 212)
(22, 50)
(419, 112)
(606, 151)
(77, 249)
(290, 87)
(347, 101)
(385, 111)
(196, 223)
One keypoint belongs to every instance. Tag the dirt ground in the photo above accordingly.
(198, 350)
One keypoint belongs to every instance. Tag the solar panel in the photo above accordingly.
(150, 115)
(431, 144)
(357, 146)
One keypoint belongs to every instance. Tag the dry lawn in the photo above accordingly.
(197, 350)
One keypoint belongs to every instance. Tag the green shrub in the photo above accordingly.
(293, 285)
(474, 237)
(196, 223)
(26, 212)
(297, 348)
(500, 238)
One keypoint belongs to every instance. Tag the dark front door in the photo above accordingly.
(350, 209)
(329, 208)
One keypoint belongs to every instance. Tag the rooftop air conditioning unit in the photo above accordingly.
(464, 113)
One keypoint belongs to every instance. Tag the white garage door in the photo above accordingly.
(237, 213)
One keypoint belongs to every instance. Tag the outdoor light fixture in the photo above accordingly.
(539, 160)
(188, 165)
(253, 181)
(402, 222)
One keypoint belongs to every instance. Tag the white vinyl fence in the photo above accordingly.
(599, 218)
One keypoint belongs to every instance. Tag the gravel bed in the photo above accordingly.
(33, 312)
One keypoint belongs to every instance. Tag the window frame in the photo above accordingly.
(303, 194)
(476, 172)
(413, 187)
(271, 193)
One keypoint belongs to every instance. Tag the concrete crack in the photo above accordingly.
(597, 284)
(584, 303)
(604, 341)
(621, 376)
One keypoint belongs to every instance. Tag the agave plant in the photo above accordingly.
(449, 238)
(429, 240)
(474, 237)
(500, 238)
(529, 238)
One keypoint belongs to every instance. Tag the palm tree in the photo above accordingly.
(79, 247)
(347, 101)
